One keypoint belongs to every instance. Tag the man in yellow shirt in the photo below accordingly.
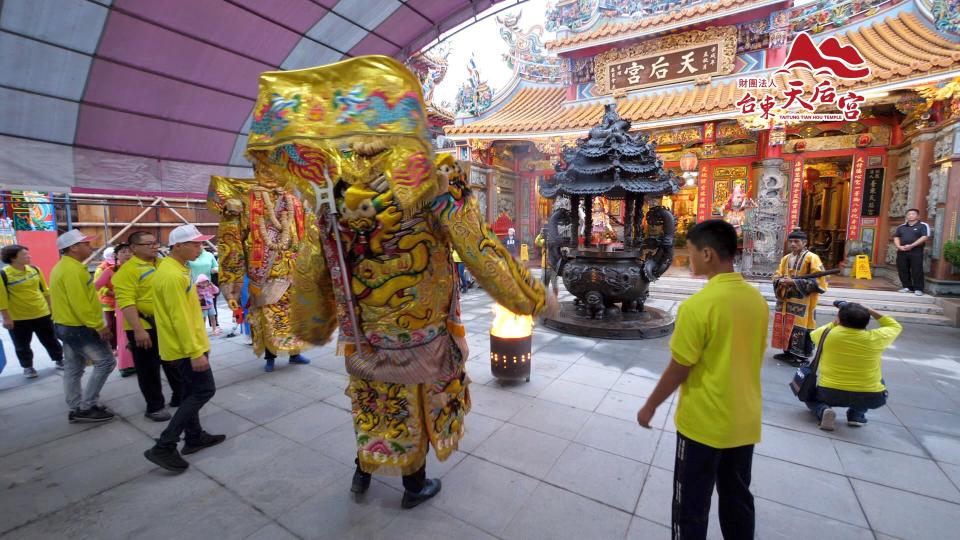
(133, 291)
(25, 305)
(849, 374)
(184, 345)
(80, 326)
(717, 351)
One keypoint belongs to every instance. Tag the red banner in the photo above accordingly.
(796, 191)
(856, 196)
(703, 194)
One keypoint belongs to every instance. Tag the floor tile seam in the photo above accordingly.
(549, 483)
(895, 404)
(44, 515)
(298, 443)
(301, 392)
(910, 491)
(828, 437)
(856, 495)
(770, 500)
(86, 427)
(250, 503)
(99, 451)
(663, 428)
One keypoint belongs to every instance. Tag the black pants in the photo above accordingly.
(148, 364)
(198, 388)
(22, 335)
(910, 268)
(696, 469)
(411, 482)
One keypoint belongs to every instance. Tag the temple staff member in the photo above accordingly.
(133, 290)
(909, 239)
(25, 305)
(185, 347)
(796, 300)
(716, 354)
(80, 326)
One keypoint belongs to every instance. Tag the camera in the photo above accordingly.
(839, 303)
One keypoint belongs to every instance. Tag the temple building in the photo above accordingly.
(833, 117)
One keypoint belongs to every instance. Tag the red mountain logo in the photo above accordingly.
(830, 58)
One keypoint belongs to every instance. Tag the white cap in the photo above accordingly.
(186, 233)
(71, 237)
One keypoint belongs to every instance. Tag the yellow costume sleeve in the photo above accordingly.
(314, 311)
(225, 197)
(491, 264)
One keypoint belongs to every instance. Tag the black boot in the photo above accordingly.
(361, 480)
(417, 488)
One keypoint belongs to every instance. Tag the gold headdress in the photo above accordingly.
(354, 121)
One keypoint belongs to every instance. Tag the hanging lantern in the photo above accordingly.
(689, 162)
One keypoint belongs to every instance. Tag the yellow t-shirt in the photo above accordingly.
(132, 287)
(25, 293)
(181, 329)
(72, 296)
(721, 333)
(851, 358)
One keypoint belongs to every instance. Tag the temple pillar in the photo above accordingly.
(588, 222)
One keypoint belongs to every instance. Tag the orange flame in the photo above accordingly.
(507, 324)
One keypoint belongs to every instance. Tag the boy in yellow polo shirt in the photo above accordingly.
(80, 326)
(717, 350)
(184, 344)
(133, 290)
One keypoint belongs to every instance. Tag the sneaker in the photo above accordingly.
(268, 366)
(217, 331)
(93, 414)
(854, 420)
(905, 290)
(299, 359)
(828, 420)
(206, 440)
(168, 458)
(158, 416)
(126, 372)
(430, 488)
(59, 365)
(29, 373)
(918, 293)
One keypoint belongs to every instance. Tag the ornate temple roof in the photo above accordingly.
(620, 31)
(897, 49)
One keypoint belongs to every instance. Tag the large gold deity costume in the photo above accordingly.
(261, 229)
(380, 267)
(797, 299)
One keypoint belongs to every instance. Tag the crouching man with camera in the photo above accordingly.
(849, 371)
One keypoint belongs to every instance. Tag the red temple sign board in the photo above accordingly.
(856, 196)
(796, 191)
(703, 198)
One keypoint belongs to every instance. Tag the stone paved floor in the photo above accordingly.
(559, 457)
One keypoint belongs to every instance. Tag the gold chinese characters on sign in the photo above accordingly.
(691, 55)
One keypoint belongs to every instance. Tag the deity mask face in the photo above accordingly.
(354, 121)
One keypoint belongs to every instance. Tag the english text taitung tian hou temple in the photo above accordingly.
(712, 85)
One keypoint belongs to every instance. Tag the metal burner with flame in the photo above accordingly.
(511, 337)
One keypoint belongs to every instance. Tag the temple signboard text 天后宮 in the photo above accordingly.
(694, 55)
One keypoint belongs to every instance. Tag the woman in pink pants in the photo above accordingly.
(122, 254)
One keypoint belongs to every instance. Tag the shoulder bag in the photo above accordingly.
(804, 383)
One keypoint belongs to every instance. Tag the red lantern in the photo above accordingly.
(864, 139)
(799, 146)
(812, 176)
(689, 162)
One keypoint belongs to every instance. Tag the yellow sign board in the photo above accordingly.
(861, 268)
